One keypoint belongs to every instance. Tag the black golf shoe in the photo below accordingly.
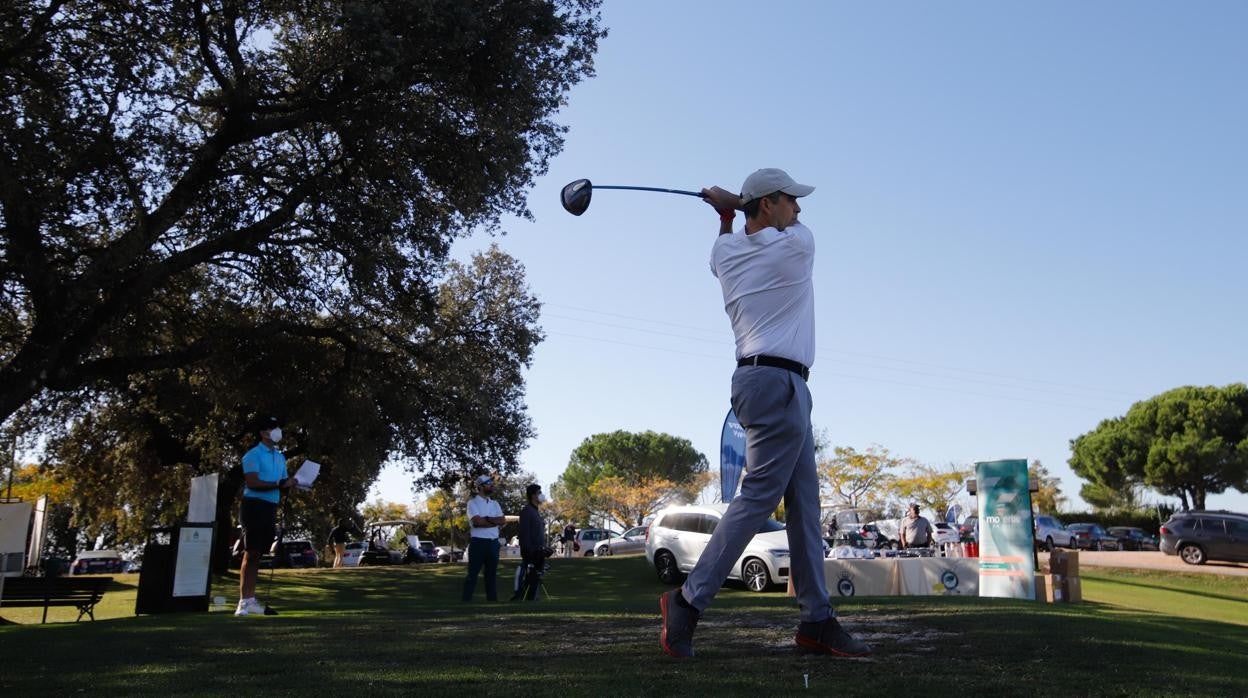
(679, 620)
(828, 637)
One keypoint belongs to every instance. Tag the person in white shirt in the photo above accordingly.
(484, 518)
(765, 270)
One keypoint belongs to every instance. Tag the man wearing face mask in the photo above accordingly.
(484, 518)
(532, 543)
(264, 477)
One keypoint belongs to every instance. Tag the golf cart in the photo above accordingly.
(397, 540)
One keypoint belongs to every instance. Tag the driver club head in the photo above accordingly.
(576, 195)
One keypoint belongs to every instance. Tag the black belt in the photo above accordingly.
(775, 362)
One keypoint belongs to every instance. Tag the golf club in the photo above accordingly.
(576, 195)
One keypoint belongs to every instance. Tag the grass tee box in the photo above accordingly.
(403, 631)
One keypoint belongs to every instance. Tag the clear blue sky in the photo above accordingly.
(1028, 217)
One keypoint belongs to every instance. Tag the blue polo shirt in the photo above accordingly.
(270, 465)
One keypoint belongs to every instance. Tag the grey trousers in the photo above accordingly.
(773, 405)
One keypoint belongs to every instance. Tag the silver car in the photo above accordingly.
(631, 541)
(1051, 533)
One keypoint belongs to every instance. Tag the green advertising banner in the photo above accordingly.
(1007, 566)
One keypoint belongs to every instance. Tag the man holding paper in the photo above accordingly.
(265, 477)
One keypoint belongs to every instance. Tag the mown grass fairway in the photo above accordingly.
(402, 630)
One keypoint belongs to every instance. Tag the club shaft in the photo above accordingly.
(668, 191)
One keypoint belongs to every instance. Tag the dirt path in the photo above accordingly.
(1157, 561)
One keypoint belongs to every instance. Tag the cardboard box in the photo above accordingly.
(1072, 590)
(1049, 588)
(1064, 563)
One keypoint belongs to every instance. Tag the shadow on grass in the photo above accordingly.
(403, 630)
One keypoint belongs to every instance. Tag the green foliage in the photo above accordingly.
(933, 488)
(184, 181)
(854, 479)
(130, 454)
(1188, 442)
(634, 458)
(213, 211)
(1049, 495)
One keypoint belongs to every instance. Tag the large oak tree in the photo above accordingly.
(178, 177)
(212, 209)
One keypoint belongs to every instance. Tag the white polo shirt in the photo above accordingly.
(768, 291)
(483, 506)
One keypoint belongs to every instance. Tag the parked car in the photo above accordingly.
(679, 534)
(1132, 538)
(300, 553)
(362, 553)
(97, 562)
(631, 541)
(428, 550)
(1051, 533)
(944, 533)
(587, 538)
(887, 532)
(968, 530)
(1090, 536)
(447, 553)
(870, 534)
(1201, 535)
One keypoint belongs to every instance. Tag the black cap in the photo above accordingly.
(267, 423)
(532, 490)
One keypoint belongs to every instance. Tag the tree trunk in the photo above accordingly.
(1198, 498)
(227, 492)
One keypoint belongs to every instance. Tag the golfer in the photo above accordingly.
(764, 270)
(484, 517)
(264, 478)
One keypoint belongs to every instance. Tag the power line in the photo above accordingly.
(822, 353)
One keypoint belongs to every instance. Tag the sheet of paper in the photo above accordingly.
(306, 475)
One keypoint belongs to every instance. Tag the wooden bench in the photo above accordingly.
(82, 593)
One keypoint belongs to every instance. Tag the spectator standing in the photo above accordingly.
(569, 538)
(484, 517)
(338, 536)
(916, 531)
(533, 548)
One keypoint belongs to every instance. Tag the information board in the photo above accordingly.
(193, 562)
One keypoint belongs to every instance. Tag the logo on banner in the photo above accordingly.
(845, 587)
(731, 456)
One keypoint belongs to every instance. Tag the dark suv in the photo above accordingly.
(1198, 536)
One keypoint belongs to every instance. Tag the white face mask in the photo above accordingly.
(541, 498)
(275, 434)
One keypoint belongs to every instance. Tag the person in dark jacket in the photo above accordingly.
(533, 548)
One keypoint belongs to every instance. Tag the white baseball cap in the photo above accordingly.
(770, 180)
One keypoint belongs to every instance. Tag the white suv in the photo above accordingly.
(678, 535)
